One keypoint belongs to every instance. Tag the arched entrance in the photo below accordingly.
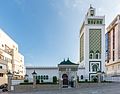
(65, 80)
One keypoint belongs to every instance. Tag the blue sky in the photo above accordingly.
(47, 31)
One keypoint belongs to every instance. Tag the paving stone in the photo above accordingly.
(107, 89)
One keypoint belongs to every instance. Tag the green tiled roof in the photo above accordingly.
(68, 62)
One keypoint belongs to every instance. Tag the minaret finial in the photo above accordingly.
(91, 6)
(68, 58)
(64, 59)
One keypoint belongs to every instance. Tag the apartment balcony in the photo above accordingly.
(3, 62)
(10, 51)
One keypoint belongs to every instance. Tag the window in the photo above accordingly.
(1, 74)
(36, 77)
(100, 21)
(46, 77)
(95, 21)
(41, 77)
(92, 12)
(113, 55)
(97, 55)
(88, 21)
(91, 54)
(91, 21)
(113, 38)
(2, 45)
(81, 77)
(95, 67)
(0, 67)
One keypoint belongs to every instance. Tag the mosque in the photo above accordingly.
(91, 60)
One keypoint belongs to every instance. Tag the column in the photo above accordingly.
(9, 74)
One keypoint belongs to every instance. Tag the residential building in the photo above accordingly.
(113, 48)
(10, 58)
(92, 44)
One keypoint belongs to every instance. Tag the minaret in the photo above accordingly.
(92, 44)
(91, 11)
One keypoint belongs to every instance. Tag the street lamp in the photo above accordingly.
(103, 74)
(34, 78)
(26, 77)
(99, 76)
(9, 74)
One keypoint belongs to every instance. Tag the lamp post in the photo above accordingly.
(34, 78)
(99, 76)
(103, 74)
(9, 74)
(26, 77)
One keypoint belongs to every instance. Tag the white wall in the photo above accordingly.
(43, 71)
(51, 72)
(17, 82)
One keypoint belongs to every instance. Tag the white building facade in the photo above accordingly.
(67, 74)
(44, 74)
(49, 73)
(10, 59)
(92, 44)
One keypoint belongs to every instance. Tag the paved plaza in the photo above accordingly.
(110, 89)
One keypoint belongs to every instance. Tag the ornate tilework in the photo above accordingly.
(95, 41)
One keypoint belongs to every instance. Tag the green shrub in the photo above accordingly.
(86, 80)
(41, 81)
(54, 79)
(26, 81)
(77, 78)
(37, 81)
(51, 83)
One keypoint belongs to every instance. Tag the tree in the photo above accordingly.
(37, 81)
(54, 79)
(26, 81)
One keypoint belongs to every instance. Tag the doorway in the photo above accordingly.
(65, 80)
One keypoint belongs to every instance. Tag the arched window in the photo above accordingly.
(91, 54)
(97, 55)
(81, 77)
(95, 68)
(41, 77)
(46, 77)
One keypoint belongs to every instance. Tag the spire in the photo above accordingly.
(68, 58)
(64, 60)
(91, 6)
(91, 11)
